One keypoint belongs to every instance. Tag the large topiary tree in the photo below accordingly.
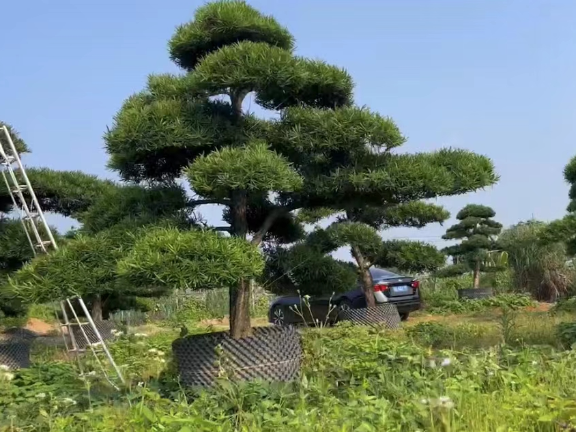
(478, 234)
(320, 151)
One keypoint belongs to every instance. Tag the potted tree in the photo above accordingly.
(478, 233)
(319, 150)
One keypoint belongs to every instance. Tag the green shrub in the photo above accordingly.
(431, 334)
(448, 305)
(567, 305)
(567, 334)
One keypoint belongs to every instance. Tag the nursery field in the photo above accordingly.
(492, 369)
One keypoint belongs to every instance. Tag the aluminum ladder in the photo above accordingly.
(41, 240)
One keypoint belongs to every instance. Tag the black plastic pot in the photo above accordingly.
(475, 293)
(104, 328)
(382, 315)
(15, 353)
(270, 354)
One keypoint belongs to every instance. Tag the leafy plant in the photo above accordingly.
(567, 334)
(459, 306)
(539, 268)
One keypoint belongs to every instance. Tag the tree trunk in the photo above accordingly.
(365, 276)
(240, 325)
(96, 311)
(476, 283)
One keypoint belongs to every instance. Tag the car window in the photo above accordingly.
(378, 273)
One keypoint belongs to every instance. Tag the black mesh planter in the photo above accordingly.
(475, 293)
(104, 327)
(14, 352)
(382, 315)
(270, 354)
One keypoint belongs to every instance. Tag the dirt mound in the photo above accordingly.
(39, 327)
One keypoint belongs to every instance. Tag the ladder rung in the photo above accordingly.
(8, 160)
(19, 188)
(44, 243)
(31, 216)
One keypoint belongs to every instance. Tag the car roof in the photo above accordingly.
(378, 273)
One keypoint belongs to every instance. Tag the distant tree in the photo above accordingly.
(478, 234)
(564, 230)
(539, 268)
(320, 151)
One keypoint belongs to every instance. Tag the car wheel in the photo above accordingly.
(404, 316)
(342, 306)
(278, 316)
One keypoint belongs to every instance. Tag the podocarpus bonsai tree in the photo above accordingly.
(358, 227)
(320, 152)
(564, 230)
(478, 234)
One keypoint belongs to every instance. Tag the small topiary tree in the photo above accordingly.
(477, 232)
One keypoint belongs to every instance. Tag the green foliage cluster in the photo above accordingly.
(444, 306)
(564, 230)
(567, 334)
(346, 382)
(115, 261)
(539, 268)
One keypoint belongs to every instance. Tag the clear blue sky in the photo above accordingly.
(494, 76)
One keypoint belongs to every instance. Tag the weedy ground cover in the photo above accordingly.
(490, 371)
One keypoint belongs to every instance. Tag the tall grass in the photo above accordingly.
(539, 269)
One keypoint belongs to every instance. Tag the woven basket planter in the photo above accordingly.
(382, 315)
(104, 327)
(270, 354)
(475, 293)
(15, 353)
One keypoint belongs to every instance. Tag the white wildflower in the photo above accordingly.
(141, 335)
(4, 367)
(490, 373)
(424, 401)
(141, 384)
(91, 373)
(534, 363)
(160, 353)
(7, 376)
(432, 363)
(41, 395)
(152, 350)
(446, 402)
(69, 401)
(96, 344)
(140, 343)
(446, 362)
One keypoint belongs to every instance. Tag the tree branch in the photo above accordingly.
(236, 99)
(268, 222)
